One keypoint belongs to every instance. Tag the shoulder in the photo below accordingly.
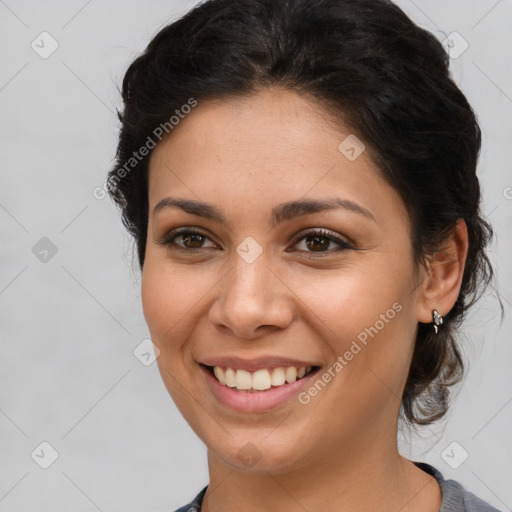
(455, 498)
(195, 504)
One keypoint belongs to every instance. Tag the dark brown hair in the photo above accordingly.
(365, 61)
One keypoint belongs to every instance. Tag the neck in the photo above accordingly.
(366, 475)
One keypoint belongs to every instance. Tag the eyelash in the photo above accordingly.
(167, 241)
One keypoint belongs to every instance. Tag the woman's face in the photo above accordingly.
(256, 289)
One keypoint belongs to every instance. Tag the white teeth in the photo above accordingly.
(291, 374)
(260, 380)
(243, 380)
(230, 376)
(219, 373)
(278, 377)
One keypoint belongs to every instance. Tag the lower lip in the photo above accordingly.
(258, 401)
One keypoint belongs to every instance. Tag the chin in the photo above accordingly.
(258, 456)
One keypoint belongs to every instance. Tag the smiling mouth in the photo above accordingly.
(259, 380)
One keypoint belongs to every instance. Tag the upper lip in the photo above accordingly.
(255, 364)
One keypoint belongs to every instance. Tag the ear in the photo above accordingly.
(442, 282)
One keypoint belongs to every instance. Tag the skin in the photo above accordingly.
(339, 451)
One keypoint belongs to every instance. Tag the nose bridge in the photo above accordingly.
(250, 281)
(251, 272)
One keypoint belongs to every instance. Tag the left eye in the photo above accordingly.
(317, 241)
(321, 239)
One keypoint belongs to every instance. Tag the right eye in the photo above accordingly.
(192, 239)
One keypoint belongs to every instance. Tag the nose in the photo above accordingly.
(253, 300)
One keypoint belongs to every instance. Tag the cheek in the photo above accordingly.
(172, 298)
(154, 298)
(349, 301)
(164, 299)
(367, 318)
(168, 310)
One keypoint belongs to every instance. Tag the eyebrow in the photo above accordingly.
(280, 213)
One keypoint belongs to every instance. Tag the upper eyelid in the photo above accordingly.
(328, 233)
(173, 233)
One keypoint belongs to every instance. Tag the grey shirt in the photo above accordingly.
(455, 498)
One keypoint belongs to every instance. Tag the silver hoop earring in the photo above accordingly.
(437, 320)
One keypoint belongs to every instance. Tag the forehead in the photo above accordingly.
(273, 145)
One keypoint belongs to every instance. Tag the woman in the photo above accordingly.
(300, 179)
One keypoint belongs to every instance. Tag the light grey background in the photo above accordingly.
(70, 325)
